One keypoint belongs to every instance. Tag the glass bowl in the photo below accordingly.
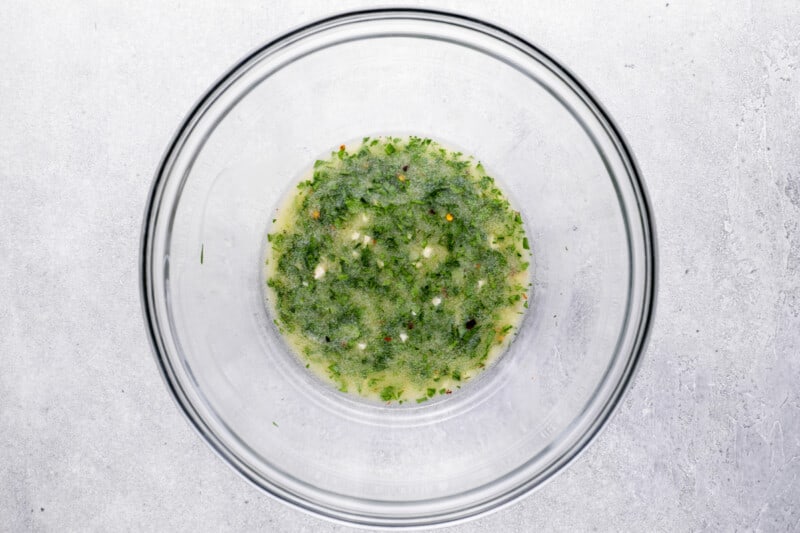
(559, 158)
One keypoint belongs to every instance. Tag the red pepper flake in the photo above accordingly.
(448, 391)
(410, 325)
(341, 148)
(387, 339)
(524, 295)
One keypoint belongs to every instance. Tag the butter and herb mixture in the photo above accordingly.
(398, 270)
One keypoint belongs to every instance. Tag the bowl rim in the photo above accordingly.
(643, 327)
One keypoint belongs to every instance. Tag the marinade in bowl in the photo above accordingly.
(556, 157)
(398, 269)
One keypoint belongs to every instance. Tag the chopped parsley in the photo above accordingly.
(398, 269)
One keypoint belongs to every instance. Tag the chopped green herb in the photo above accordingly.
(397, 268)
(390, 393)
(202, 249)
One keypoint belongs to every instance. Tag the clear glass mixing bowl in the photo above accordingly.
(558, 156)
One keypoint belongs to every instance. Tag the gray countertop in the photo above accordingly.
(708, 95)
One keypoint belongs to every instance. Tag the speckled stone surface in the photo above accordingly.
(707, 93)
